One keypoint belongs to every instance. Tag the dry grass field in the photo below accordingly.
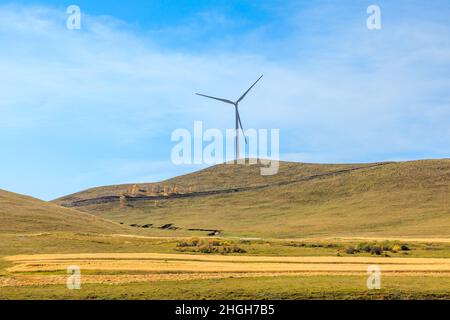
(23, 214)
(308, 233)
(111, 268)
(186, 263)
(172, 276)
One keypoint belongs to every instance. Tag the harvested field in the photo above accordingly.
(29, 280)
(143, 267)
(18, 280)
(91, 257)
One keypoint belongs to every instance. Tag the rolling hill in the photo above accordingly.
(390, 199)
(220, 177)
(22, 214)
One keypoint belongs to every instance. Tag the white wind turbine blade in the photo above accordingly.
(243, 96)
(220, 99)
(242, 129)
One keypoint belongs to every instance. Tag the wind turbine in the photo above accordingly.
(236, 108)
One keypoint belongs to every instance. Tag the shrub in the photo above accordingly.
(193, 242)
(376, 250)
(351, 250)
(226, 250)
(400, 247)
(364, 247)
(386, 246)
(293, 244)
(208, 246)
(314, 245)
(236, 249)
(404, 247)
(207, 249)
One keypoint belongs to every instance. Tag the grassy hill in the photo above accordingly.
(303, 200)
(22, 214)
(219, 177)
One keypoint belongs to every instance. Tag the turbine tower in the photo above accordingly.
(238, 118)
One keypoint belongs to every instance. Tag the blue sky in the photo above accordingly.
(97, 106)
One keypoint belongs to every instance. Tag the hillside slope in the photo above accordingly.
(21, 214)
(303, 200)
(219, 177)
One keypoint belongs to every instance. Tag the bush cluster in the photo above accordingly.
(208, 246)
(376, 248)
(312, 245)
